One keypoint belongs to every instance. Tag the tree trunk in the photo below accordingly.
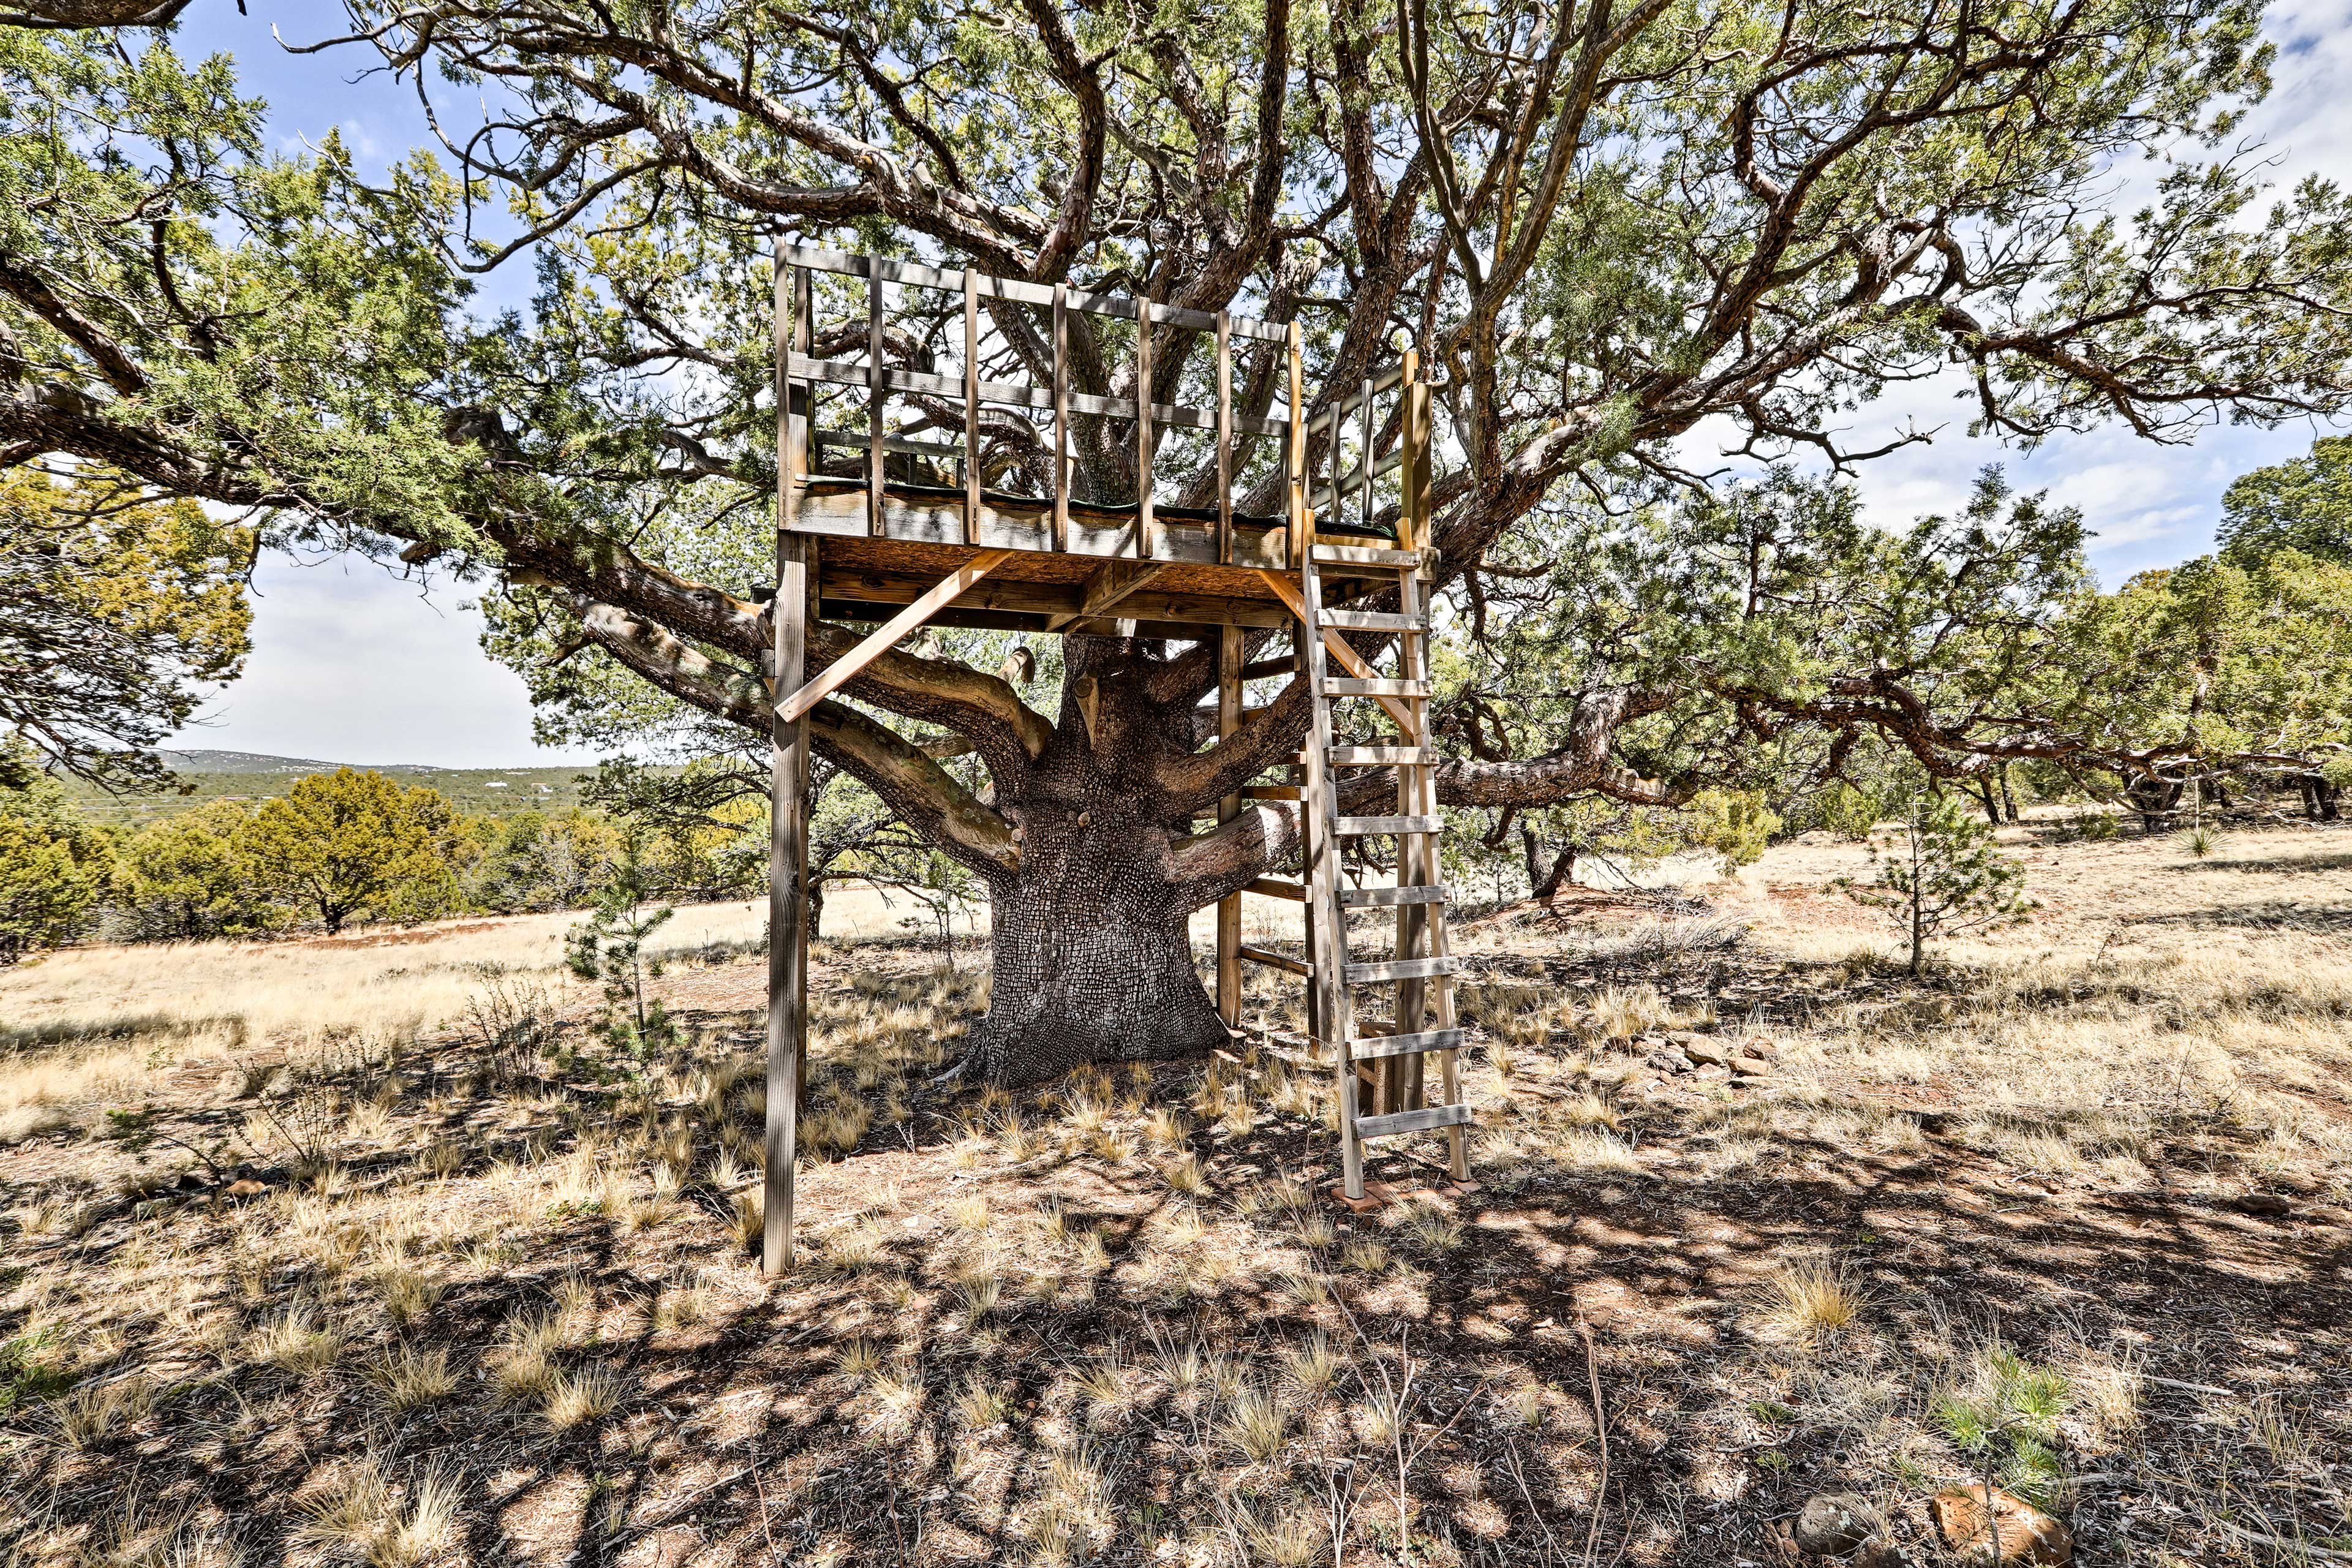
(2319, 797)
(2155, 799)
(1090, 960)
(1545, 885)
(2008, 799)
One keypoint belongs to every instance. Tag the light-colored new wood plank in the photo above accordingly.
(1387, 968)
(1375, 688)
(1369, 756)
(1385, 898)
(1366, 555)
(1412, 1121)
(1373, 621)
(1359, 827)
(1405, 1045)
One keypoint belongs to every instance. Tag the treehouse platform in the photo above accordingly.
(922, 484)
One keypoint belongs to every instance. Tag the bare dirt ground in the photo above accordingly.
(2071, 1209)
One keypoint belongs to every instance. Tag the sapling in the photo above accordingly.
(1940, 874)
(609, 947)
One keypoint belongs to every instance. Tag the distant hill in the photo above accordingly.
(253, 776)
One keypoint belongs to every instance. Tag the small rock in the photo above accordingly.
(1880, 1553)
(2027, 1534)
(1709, 1053)
(1832, 1524)
(1681, 1037)
(247, 1188)
(1714, 1072)
(1760, 1046)
(2269, 1203)
(1668, 1061)
(1750, 1067)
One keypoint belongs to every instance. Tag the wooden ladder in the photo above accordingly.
(1421, 967)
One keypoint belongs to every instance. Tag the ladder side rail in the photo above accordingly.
(1412, 598)
(1402, 1077)
(1335, 1025)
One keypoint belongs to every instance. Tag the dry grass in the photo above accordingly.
(573, 1398)
(413, 1378)
(1119, 1309)
(1810, 1302)
(362, 1516)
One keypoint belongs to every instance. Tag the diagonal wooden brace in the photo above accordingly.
(843, 670)
(1340, 650)
(1111, 582)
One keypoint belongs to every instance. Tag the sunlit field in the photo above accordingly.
(338, 1252)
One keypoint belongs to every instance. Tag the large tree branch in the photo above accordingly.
(912, 784)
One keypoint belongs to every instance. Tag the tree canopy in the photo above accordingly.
(2305, 504)
(115, 613)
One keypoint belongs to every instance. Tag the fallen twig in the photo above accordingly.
(674, 1510)
(2286, 1543)
(1601, 1430)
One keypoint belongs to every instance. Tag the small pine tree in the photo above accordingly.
(1940, 874)
(609, 948)
(1736, 823)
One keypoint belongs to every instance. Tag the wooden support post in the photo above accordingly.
(876, 450)
(1302, 522)
(1365, 460)
(968, 530)
(788, 785)
(1224, 438)
(1061, 396)
(787, 907)
(1412, 476)
(1229, 909)
(1147, 530)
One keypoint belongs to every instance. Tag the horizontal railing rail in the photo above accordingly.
(988, 287)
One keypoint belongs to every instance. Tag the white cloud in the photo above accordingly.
(350, 665)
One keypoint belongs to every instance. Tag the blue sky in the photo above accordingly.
(350, 664)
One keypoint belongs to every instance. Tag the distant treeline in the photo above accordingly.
(331, 848)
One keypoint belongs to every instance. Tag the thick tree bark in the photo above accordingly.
(1091, 960)
(2155, 799)
(1545, 884)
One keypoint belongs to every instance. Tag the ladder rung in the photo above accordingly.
(1269, 792)
(1359, 827)
(1377, 1046)
(1274, 887)
(1401, 969)
(1412, 1121)
(1364, 555)
(1346, 685)
(1383, 897)
(1373, 621)
(1348, 756)
(1277, 960)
